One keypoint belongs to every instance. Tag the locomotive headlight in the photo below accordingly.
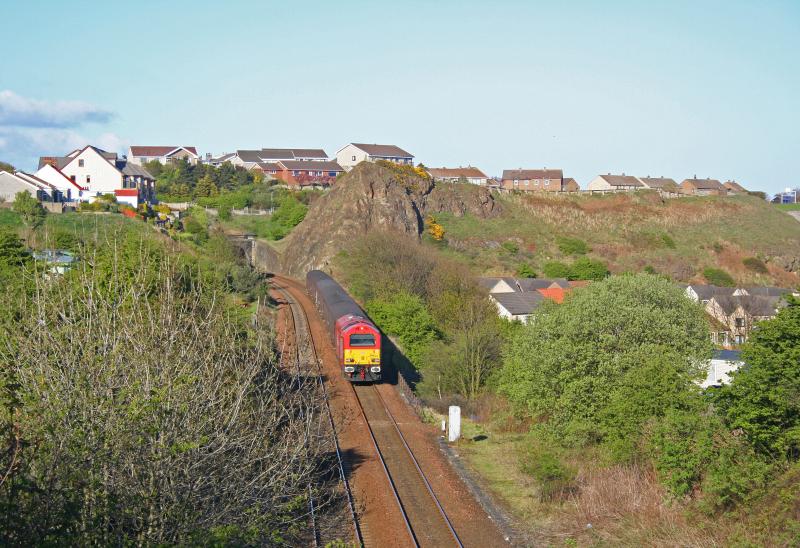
(375, 369)
(349, 369)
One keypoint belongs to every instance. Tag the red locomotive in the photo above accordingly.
(357, 340)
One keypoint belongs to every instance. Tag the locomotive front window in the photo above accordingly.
(362, 340)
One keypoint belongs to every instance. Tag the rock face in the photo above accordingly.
(375, 197)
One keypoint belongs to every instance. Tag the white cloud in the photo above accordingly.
(19, 111)
(23, 146)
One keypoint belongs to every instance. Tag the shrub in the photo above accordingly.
(572, 246)
(588, 269)
(525, 270)
(555, 479)
(555, 269)
(667, 240)
(756, 265)
(717, 276)
(224, 212)
(648, 269)
(510, 246)
(405, 315)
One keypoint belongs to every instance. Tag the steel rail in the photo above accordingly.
(350, 500)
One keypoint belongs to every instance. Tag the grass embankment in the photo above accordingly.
(677, 237)
(788, 207)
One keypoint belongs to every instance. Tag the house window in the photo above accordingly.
(80, 163)
(88, 179)
(72, 178)
(526, 183)
(353, 159)
(516, 182)
(739, 322)
(547, 182)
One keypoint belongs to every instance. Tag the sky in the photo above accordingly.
(672, 88)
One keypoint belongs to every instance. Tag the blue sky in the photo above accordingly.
(646, 88)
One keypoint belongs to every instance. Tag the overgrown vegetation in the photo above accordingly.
(717, 276)
(138, 404)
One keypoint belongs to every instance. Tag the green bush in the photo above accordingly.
(756, 265)
(555, 269)
(572, 246)
(554, 478)
(224, 212)
(667, 240)
(588, 269)
(717, 276)
(405, 316)
(525, 270)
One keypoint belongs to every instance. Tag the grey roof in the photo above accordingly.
(135, 170)
(35, 180)
(622, 180)
(59, 161)
(754, 305)
(314, 165)
(658, 182)
(532, 284)
(289, 153)
(519, 303)
(223, 158)
(767, 291)
(705, 292)
(528, 174)
(728, 355)
(488, 282)
(389, 151)
(249, 155)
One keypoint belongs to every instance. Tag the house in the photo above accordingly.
(615, 183)
(13, 183)
(570, 185)
(307, 172)
(355, 153)
(664, 185)
(788, 196)
(467, 174)
(499, 285)
(69, 189)
(516, 306)
(543, 180)
(140, 155)
(740, 313)
(96, 172)
(720, 367)
(702, 187)
(702, 293)
(734, 189)
(219, 160)
(264, 158)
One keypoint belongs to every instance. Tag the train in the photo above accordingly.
(356, 339)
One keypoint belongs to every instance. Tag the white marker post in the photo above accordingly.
(455, 424)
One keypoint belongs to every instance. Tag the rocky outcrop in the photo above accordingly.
(375, 197)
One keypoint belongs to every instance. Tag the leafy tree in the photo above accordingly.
(7, 167)
(764, 397)
(555, 269)
(582, 366)
(12, 250)
(205, 187)
(717, 276)
(406, 316)
(29, 209)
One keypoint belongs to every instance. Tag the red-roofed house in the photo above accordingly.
(140, 155)
(556, 294)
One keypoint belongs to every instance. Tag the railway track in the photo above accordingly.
(306, 354)
(425, 521)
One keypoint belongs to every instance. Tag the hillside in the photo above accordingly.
(377, 197)
(678, 237)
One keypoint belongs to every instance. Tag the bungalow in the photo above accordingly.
(545, 180)
(734, 188)
(615, 183)
(702, 187)
(499, 285)
(467, 174)
(661, 184)
(96, 172)
(570, 185)
(140, 155)
(13, 183)
(354, 153)
(307, 172)
(516, 306)
(219, 160)
(253, 159)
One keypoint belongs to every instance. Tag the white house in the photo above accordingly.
(140, 155)
(96, 172)
(615, 183)
(13, 183)
(720, 367)
(68, 188)
(355, 153)
(516, 306)
(458, 174)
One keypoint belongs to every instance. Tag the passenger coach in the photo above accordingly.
(355, 337)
